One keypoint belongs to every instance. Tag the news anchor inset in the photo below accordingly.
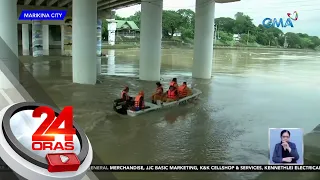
(286, 146)
(29, 149)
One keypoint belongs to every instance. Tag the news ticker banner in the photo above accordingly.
(203, 168)
(199, 168)
(38, 141)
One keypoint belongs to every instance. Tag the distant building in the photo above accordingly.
(127, 29)
(112, 27)
(176, 34)
(236, 37)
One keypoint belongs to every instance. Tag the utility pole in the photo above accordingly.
(216, 32)
(248, 38)
(285, 44)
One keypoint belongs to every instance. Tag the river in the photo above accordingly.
(250, 91)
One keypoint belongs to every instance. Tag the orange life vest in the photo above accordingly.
(172, 83)
(159, 90)
(183, 92)
(172, 94)
(137, 101)
(125, 94)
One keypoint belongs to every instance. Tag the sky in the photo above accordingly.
(257, 10)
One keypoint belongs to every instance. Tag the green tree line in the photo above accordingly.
(183, 21)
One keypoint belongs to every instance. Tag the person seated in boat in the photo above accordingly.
(139, 102)
(125, 96)
(184, 90)
(174, 83)
(158, 94)
(172, 94)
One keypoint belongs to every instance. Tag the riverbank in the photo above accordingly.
(178, 45)
(166, 46)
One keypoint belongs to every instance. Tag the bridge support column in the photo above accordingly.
(84, 45)
(37, 45)
(25, 40)
(150, 40)
(203, 39)
(8, 43)
(99, 37)
(62, 39)
(45, 39)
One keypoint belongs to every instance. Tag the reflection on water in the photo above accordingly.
(126, 66)
(98, 65)
(111, 62)
(249, 92)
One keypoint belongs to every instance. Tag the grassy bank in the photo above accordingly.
(186, 46)
(177, 42)
(173, 45)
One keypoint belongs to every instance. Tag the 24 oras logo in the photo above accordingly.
(268, 22)
(44, 137)
(38, 141)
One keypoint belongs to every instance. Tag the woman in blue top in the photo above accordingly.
(285, 151)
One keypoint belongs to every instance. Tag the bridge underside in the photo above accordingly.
(102, 4)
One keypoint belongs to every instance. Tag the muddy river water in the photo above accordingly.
(251, 90)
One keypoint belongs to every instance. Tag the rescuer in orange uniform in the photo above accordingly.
(124, 94)
(172, 94)
(184, 91)
(139, 102)
(174, 83)
(158, 94)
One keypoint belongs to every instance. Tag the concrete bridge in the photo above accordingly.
(83, 16)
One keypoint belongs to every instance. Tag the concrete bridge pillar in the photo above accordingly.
(8, 43)
(37, 44)
(99, 37)
(150, 40)
(203, 39)
(84, 32)
(62, 39)
(25, 40)
(45, 39)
